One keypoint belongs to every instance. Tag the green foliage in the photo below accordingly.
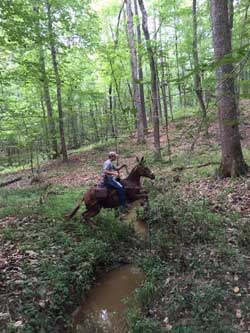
(244, 234)
(68, 253)
(140, 324)
(187, 222)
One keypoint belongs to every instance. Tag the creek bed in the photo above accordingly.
(104, 308)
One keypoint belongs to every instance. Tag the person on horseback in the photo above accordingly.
(110, 176)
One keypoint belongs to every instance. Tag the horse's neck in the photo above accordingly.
(134, 177)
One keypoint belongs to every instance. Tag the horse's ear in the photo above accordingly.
(142, 159)
(137, 159)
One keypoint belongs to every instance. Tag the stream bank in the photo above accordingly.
(104, 309)
(48, 262)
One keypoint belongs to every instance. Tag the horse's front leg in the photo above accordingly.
(143, 191)
(141, 196)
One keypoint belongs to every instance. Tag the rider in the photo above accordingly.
(110, 173)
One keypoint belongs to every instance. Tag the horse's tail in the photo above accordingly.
(74, 211)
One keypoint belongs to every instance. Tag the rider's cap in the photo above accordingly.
(113, 153)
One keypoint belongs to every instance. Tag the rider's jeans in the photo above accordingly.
(111, 182)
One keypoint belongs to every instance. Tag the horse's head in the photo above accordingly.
(143, 170)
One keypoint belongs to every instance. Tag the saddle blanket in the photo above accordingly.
(101, 192)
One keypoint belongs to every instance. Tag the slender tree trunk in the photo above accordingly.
(184, 90)
(94, 123)
(170, 99)
(232, 163)
(242, 73)
(111, 110)
(231, 15)
(158, 93)
(157, 68)
(73, 121)
(165, 106)
(153, 81)
(141, 76)
(197, 75)
(58, 83)
(45, 126)
(46, 93)
(82, 129)
(47, 99)
(134, 71)
(177, 63)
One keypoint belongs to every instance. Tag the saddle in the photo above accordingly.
(101, 192)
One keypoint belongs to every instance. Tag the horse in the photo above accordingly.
(133, 190)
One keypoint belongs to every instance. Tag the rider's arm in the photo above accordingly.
(110, 172)
(120, 167)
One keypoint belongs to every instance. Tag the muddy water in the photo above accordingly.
(104, 308)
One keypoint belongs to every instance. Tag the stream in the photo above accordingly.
(103, 311)
(104, 308)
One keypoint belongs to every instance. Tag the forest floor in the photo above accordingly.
(196, 260)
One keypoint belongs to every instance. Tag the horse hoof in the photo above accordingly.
(89, 223)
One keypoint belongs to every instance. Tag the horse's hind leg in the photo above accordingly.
(91, 212)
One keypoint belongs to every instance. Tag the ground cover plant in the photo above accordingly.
(47, 262)
(195, 258)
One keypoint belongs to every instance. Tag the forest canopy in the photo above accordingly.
(75, 73)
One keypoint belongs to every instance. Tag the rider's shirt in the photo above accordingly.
(108, 165)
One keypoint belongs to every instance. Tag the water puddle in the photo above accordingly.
(103, 310)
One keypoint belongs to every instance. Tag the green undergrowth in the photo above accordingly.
(44, 201)
(196, 271)
(58, 259)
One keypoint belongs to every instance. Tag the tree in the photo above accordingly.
(232, 163)
(140, 67)
(58, 83)
(135, 71)
(154, 87)
(47, 99)
(197, 74)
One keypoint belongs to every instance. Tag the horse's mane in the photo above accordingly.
(133, 171)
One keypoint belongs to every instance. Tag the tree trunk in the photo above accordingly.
(58, 83)
(45, 128)
(141, 76)
(155, 113)
(177, 63)
(47, 99)
(165, 106)
(94, 123)
(111, 110)
(197, 75)
(232, 163)
(170, 99)
(73, 132)
(241, 78)
(46, 93)
(134, 71)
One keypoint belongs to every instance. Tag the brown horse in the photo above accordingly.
(133, 190)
